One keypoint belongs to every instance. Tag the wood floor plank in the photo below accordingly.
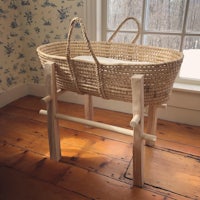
(106, 166)
(32, 164)
(172, 171)
(94, 160)
(68, 137)
(161, 143)
(71, 178)
(175, 138)
(74, 110)
(180, 133)
(86, 151)
(101, 187)
(23, 175)
(191, 150)
(18, 186)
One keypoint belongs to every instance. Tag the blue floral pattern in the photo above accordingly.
(26, 24)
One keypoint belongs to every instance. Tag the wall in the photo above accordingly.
(12, 69)
(24, 25)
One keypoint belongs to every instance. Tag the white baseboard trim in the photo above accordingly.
(180, 115)
(13, 94)
(36, 90)
(176, 112)
(184, 115)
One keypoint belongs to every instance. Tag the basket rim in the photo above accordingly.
(179, 53)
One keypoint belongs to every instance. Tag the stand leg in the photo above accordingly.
(53, 128)
(88, 107)
(152, 123)
(138, 158)
(138, 147)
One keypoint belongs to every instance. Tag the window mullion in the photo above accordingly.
(184, 24)
(104, 17)
(143, 21)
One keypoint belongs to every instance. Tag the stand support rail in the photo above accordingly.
(103, 125)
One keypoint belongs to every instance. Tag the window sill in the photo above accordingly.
(185, 87)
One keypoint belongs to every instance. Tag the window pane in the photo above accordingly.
(191, 42)
(167, 41)
(119, 10)
(123, 37)
(165, 15)
(193, 20)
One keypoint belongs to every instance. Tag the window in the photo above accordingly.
(164, 23)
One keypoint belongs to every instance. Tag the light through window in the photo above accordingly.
(167, 23)
(190, 68)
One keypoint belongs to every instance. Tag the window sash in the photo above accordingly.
(177, 36)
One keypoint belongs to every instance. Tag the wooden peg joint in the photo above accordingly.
(47, 99)
(135, 121)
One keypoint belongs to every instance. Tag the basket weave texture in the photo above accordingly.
(107, 80)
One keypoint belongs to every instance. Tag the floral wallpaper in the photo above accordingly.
(26, 24)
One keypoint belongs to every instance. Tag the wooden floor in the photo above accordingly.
(96, 164)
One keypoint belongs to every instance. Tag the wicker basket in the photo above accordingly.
(160, 67)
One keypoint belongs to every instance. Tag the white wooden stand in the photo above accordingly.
(137, 122)
(51, 102)
(152, 123)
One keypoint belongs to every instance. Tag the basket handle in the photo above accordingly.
(73, 22)
(122, 23)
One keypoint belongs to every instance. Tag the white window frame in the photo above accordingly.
(96, 15)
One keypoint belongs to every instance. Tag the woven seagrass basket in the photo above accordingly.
(159, 66)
